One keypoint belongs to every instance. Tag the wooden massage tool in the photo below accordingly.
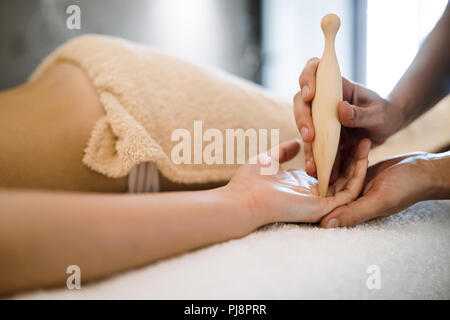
(325, 105)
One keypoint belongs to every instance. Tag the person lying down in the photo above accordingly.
(87, 170)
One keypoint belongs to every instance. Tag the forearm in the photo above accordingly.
(41, 234)
(424, 83)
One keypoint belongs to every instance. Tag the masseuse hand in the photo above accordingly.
(393, 185)
(292, 195)
(363, 114)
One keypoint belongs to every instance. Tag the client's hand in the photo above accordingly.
(393, 185)
(292, 195)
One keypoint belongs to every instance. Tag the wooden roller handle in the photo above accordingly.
(325, 105)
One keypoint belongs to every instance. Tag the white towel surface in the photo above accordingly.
(288, 261)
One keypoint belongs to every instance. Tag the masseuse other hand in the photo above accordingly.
(363, 114)
(292, 195)
(393, 185)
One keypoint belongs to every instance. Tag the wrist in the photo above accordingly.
(242, 205)
(438, 169)
(407, 104)
(397, 114)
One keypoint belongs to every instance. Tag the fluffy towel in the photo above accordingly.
(288, 261)
(428, 133)
(147, 95)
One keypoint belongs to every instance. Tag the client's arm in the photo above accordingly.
(42, 233)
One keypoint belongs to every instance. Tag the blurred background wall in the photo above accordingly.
(266, 41)
(292, 35)
(216, 32)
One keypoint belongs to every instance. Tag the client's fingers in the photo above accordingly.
(362, 152)
(285, 151)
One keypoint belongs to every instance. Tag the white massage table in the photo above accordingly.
(289, 261)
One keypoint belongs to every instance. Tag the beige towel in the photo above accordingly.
(147, 95)
(430, 133)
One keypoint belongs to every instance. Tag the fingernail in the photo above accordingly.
(308, 164)
(305, 91)
(304, 132)
(333, 223)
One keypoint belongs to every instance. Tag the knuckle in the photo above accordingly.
(308, 70)
(303, 79)
(312, 60)
(297, 98)
(357, 115)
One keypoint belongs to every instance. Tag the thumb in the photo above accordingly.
(361, 210)
(358, 117)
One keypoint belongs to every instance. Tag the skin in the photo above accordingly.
(55, 212)
(44, 128)
(395, 184)
(91, 224)
(41, 233)
(365, 115)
